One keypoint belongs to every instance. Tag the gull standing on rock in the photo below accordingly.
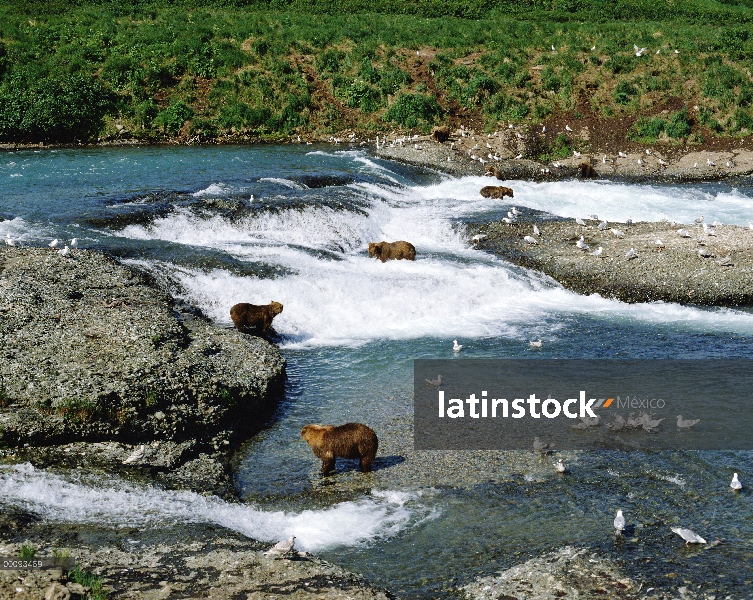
(536, 230)
(530, 239)
(65, 251)
(582, 244)
(559, 467)
(74, 243)
(699, 219)
(603, 225)
(659, 244)
(282, 548)
(683, 233)
(619, 523)
(598, 252)
(631, 254)
(136, 455)
(54, 243)
(9, 240)
(618, 232)
(736, 485)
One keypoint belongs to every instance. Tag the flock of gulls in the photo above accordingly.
(54, 244)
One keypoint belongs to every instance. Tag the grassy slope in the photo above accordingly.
(79, 70)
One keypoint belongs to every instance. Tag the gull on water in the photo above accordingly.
(736, 485)
(282, 548)
(54, 243)
(536, 344)
(619, 523)
(559, 467)
(683, 233)
(689, 536)
(456, 347)
(631, 254)
(437, 381)
(685, 423)
(598, 252)
(540, 446)
(617, 424)
(582, 244)
(9, 240)
(514, 211)
(618, 232)
(530, 239)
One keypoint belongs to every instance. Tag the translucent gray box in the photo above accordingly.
(635, 404)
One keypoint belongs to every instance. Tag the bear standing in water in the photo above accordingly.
(252, 318)
(352, 440)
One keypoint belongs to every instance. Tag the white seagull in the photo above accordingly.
(622, 155)
(603, 225)
(659, 244)
(619, 523)
(582, 244)
(638, 51)
(437, 381)
(710, 162)
(689, 536)
(685, 423)
(282, 548)
(617, 232)
(456, 347)
(540, 446)
(567, 128)
(9, 240)
(74, 243)
(559, 467)
(65, 251)
(699, 219)
(136, 455)
(530, 239)
(736, 485)
(629, 221)
(631, 254)
(598, 252)
(478, 237)
(536, 345)
(580, 221)
(536, 230)
(54, 243)
(683, 233)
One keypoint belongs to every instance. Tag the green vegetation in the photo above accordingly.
(77, 410)
(27, 551)
(78, 575)
(203, 69)
(648, 130)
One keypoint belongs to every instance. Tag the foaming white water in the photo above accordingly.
(293, 185)
(215, 189)
(343, 297)
(609, 200)
(380, 515)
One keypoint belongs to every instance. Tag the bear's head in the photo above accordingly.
(276, 307)
(375, 249)
(313, 432)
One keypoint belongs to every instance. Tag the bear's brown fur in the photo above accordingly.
(496, 191)
(440, 133)
(385, 251)
(251, 317)
(352, 440)
(492, 171)
(587, 171)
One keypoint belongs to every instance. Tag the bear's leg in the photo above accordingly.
(365, 463)
(328, 464)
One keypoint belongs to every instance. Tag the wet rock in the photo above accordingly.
(678, 271)
(92, 351)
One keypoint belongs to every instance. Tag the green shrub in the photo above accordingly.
(392, 78)
(328, 63)
(174, 116)
(412, 110)
(363, 96)
(678, 125)
(480, 88)
(624, 92)
(27, 551)
(78, 575)
(647, 130)
(743, 119)
(504, 107)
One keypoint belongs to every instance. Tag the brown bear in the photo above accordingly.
(587, 171)
(252, 318)
(440, 133)
(492, 171)
(496, 191)
(352, 440)
(385, 251)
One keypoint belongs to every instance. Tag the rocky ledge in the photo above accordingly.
(700, 268)
(97, 368)
(171, 561)
(567, 574)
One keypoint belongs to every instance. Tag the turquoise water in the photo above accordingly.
(223, 225)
